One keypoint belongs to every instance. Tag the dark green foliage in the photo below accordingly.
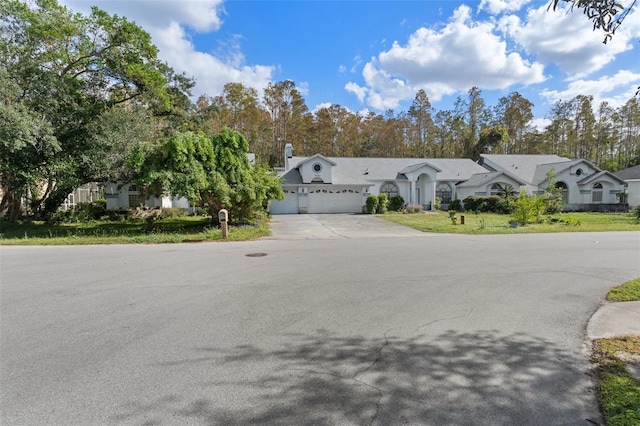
(396, 203)
(455, 205)
(383, 204)
(636, 211)
(82, 212)
(372, 204)
(490, 204)
(211, 171)
(72, 87)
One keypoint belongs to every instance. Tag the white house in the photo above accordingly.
(631, 176)
(125, 196)
(320, 184)
(584, 186)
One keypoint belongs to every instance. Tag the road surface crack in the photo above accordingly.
(444, 319)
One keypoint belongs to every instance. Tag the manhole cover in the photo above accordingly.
(256, 254)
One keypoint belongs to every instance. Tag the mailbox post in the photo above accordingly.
(223, 218)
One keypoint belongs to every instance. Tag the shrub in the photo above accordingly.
(82, 212)
(636, 211)
(372, 204)
(383, 204)
(528, 208)
(396, 203)
(491, 204)
(455, 205)
(173, 212)
(437, 203)
(413, 208)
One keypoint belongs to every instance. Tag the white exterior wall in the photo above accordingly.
(119, 199)
(320, 198)
(633, 191)
(485, 189)
(308, 174)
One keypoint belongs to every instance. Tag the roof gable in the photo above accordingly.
(599, 176)
(521, 166)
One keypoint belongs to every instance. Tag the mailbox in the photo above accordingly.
(223, 216)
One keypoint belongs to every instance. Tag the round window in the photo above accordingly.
(578, 172)
(317, 167)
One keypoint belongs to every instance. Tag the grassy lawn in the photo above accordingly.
(170, 230)
(618, 391)
(626, 292)
(489, 223)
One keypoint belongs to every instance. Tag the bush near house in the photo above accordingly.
(455, 205)
(413, 208)
(383, 204)
(82, 212)
(396, 203)
(372, 204)
(490, 204)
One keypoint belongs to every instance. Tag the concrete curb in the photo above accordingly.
(615, 319)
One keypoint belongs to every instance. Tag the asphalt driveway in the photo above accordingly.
(335, 226)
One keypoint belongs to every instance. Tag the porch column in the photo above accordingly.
(412, 193)
(433, 196)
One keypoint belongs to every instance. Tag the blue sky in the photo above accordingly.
(375, 55)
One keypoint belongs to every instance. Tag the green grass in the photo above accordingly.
(489, 223)
(170, 230)
(626, 292)
(618, 391)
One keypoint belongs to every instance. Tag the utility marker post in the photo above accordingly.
(223, 218)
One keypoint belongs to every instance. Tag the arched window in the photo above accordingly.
(564, 191)
(390, 189)
(443, 191)
(503, 189)
(596, 193)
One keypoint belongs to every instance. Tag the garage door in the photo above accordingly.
(335, 201)
(289, 205)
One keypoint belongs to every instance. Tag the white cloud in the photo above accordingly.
(357, 60)
(496, 7)
(303, 88)
(616, 89)
(201, 15)
(540, 124)
(166, 22)
(357, 90)
(453, 59)
(567, 39)
(211, 73)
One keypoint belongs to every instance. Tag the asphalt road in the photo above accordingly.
(368, 328)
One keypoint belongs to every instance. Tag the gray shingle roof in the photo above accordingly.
(630, 173)
(524, 166)
(479, 179)
(349, 170)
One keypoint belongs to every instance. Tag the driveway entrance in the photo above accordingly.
(335, 226)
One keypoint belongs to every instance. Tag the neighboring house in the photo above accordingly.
(584, 186)
(631, 176)
(125, 196)
(320, 184)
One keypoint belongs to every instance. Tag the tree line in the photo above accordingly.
(84, 98)
(607, 136)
